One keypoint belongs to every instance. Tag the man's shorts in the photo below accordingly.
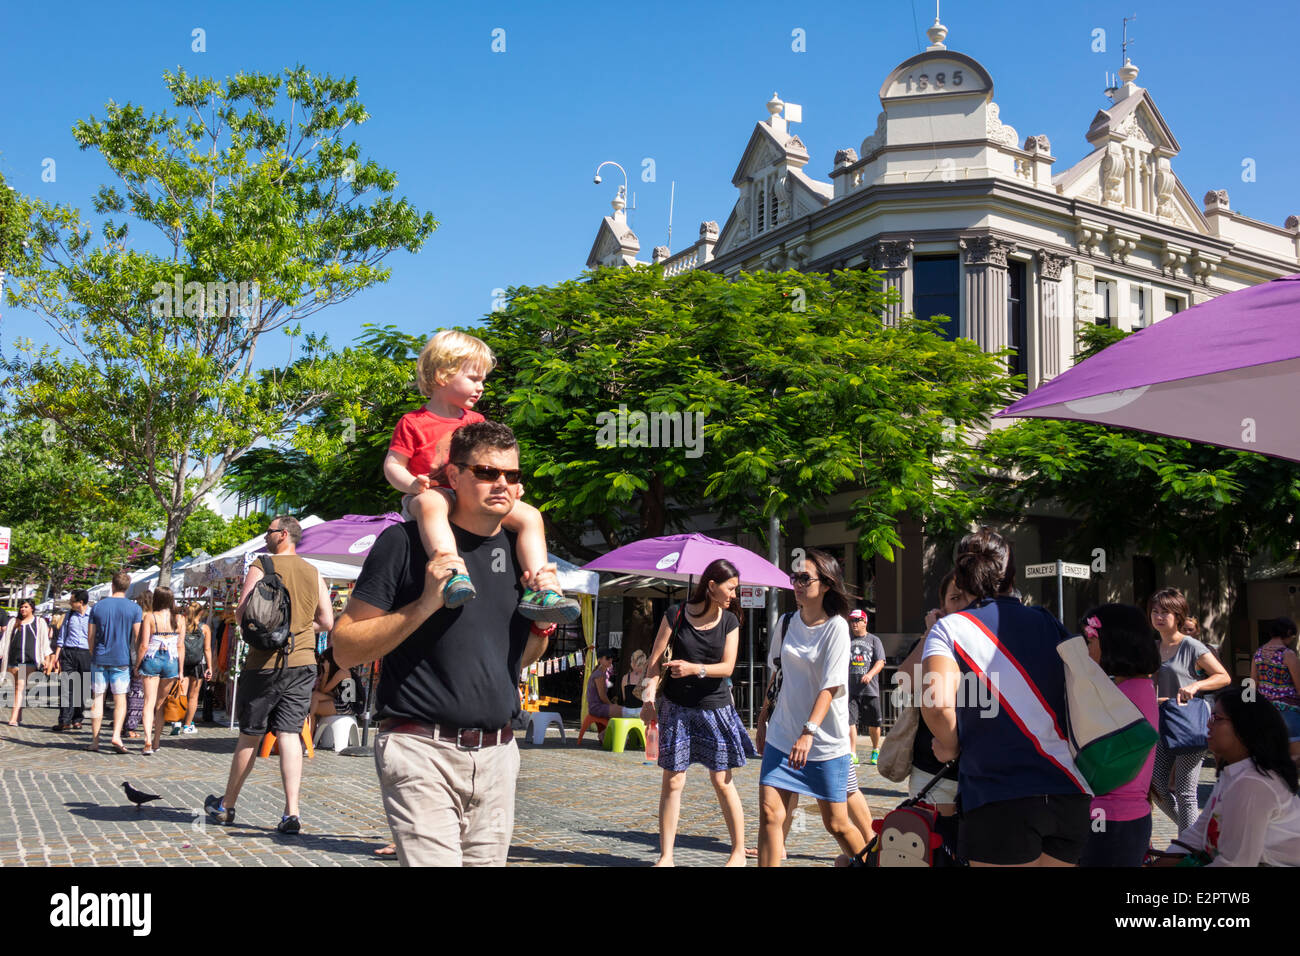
(1013, 832)
(864, 712)
(160, 665)
(118, 679)
(274, 700)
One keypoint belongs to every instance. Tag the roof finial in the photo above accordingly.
(937, 32)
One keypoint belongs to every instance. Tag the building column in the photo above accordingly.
(1049, 314)
(893, 258)
(986, 290)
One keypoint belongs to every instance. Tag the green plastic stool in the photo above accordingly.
(619, 729)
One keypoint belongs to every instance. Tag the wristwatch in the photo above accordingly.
(810, 728)
(703, 671)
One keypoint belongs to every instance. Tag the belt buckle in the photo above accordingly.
(461, 746)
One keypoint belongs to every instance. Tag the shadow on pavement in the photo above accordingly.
(124, 814)
(528, 854)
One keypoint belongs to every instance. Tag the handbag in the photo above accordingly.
(895, 759)
(177, 705)
(774, 688)
(1183, 727)
(1109, 738)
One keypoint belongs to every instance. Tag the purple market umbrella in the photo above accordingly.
(682, 557)
(1221, 373)
(346, 540)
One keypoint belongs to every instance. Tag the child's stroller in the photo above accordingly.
(914, 834)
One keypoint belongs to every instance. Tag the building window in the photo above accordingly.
(1140, 320)
(1017, 323)
(1173, 304)
(760, 216)
(936, 291)
(1104, 304)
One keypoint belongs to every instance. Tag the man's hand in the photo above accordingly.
(546, 578)
(436, 575)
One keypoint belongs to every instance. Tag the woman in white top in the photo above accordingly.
(160, 660)
(26, 642)
(1253, 814)
(805, 743)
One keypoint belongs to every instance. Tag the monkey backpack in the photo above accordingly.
(906, 837)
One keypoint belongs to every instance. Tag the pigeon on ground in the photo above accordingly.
(137, 797)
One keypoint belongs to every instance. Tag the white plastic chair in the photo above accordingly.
(538, 722)
(341, 727)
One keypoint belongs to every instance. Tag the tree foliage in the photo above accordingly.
(1178, 501)
(262, 214)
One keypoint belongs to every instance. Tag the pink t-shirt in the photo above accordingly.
(1129, 802)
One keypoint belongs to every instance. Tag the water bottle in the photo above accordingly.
(652, 742)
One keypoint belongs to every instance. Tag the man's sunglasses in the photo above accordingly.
(803, 579)
(489, 474)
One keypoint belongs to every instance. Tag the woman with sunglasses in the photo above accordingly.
(698, 722)
(805, 742)
(1253, 815)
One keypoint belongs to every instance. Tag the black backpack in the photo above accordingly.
(265, 624)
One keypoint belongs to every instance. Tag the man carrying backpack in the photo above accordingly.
(275, 684)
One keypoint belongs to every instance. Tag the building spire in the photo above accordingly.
(937, 32)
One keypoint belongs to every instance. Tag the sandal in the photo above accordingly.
(119, 747)
(93, 748)
(390, 850)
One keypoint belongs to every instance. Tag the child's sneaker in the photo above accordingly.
(458, 590)
(550, 607)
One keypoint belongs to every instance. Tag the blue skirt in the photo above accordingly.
(820, 779)
(715, 738)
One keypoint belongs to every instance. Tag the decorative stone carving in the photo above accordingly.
(891, 254)
(660, 253)
(1121, 244)
(794, 142)
(1292, 222)
(1216, 199)
(996, 130)
(709, 230)
(1038, 144)
(986, 250)
(1164, 188)
(846, 157)
(1132, 129)
(1113, 167)
(1089, 237)
(785, 198)
(1203, 265)
(876, 139)
(1172, 259)
(1050, 265)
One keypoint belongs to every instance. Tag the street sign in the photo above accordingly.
(4, 545)
(1049, 570)
(753, 596)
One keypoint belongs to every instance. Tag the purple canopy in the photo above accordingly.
(678, 557)
(346, 540)
(1222, 373)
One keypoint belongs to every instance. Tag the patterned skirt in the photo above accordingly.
(135, 702)
(715, 738)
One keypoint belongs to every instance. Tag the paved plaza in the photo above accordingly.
(61, 805)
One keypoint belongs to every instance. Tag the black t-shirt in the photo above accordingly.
(700, 647)
(459, 668)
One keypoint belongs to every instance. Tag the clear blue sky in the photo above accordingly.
(501, 147)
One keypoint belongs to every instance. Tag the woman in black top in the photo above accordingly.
(26, 642)
(698, 722)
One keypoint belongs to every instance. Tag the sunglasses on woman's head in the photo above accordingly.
(803, 579)
(488, 473)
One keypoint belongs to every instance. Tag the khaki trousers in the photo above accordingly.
(447, 806)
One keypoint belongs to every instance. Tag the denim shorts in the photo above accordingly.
(160, 664)
(104, 678)
(1292, 720)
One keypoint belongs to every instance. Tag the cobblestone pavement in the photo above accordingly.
(61, 805)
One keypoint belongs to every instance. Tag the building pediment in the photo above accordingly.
(800, 195)
(615, 245)
(768, 147)
(1133, 118)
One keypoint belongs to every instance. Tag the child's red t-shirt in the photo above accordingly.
(425, 438)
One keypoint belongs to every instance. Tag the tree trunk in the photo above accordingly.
(168, 554)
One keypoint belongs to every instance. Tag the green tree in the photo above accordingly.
(1176, 500)
(73, 520)
(803, 392)
(209, 532)
(267, 215)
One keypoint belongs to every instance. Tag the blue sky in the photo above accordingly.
(501, 147)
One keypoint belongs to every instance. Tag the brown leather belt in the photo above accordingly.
(465, 738)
